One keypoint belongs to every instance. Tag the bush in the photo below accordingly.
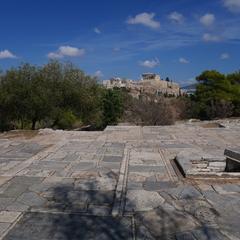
(112, 106)
(66, 120)
(145, 111)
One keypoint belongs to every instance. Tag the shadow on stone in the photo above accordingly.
(68, 215)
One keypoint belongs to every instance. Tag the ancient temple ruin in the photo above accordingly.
(150, 83)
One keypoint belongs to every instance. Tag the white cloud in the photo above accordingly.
(67, 51)
(183, 60)
(207, 37)
(116, 49)
(176, 17)
(207, 19)
(54, 55)
(232, 5)
(146, 19)
(6, 54)
(71, 51)
(98, 74)
(224, 56)
(150, 63)
(97, 30)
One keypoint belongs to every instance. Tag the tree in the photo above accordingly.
(216, 92)
(53, 95)
(112, 106)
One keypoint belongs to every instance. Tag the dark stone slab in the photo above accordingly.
(32, 148)
(111, 165)
(46, 226)
(14, 190)
(22, 180)
(185, 236)
(71, 157)
(164, 223)
(49, 165)
(108, 158)
(206, 233)
(18, 185)
(4, 202)
(134, 186)
(100, 197)
(146, 168)
(184, 192)
(83, 166)
(233, 159)
(158, 186)
(233, 153)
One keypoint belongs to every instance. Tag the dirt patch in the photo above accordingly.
(212, 125)
(22, 134)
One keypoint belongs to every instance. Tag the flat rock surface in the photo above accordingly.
(120, 183)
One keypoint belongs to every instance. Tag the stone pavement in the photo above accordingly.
(117, 184)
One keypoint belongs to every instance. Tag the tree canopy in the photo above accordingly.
(55, 95)
(218, 95)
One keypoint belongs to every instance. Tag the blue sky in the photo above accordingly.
(175, 38)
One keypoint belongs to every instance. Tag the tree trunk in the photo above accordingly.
(34, 124)
(22, 123)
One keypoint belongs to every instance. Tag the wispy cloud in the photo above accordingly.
(97, 30)
(183, 60)
(146, 19)
(207, 19)
(149, 63)
(176, 17)
(6, 54)
(224, 56)
(232, 5)
(98, 74)
(67, 51)
(207, 37)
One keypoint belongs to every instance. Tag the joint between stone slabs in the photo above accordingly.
(169, 167)
(119, 201)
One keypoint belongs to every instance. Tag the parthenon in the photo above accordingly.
(150, 83)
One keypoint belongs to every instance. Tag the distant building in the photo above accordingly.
(150, 83)
(115, 82)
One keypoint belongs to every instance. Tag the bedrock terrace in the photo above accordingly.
(127, 182)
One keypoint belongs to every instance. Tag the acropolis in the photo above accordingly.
(150, 83)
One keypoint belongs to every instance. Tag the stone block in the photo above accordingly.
(145, 168)
(39, 226)
(8, 217)
(110, 159)
(4, 202)
(185, 236)
(220, 165)
(4, 227)
(206, 233)
(158, 186)
(141, 200)
(31, 199)
(233, 153)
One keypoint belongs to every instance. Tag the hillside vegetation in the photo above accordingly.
(61, 96)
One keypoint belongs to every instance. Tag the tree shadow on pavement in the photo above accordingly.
(72, 213)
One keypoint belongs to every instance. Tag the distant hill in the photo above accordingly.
(188, 87)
